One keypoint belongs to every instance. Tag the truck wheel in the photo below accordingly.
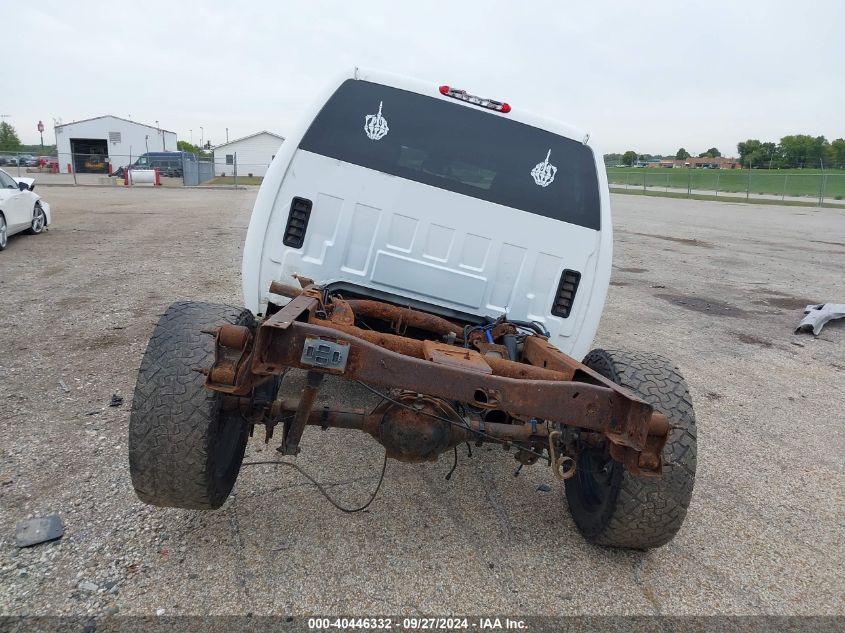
(609, 505)
(184, 452)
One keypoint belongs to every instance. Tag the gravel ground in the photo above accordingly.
(717, 287)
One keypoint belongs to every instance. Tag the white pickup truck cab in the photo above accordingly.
(426, 196)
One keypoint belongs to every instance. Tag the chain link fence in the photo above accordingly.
(230, 169)
(805, 185)
(175, 168)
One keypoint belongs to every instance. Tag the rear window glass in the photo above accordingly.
(458, 148)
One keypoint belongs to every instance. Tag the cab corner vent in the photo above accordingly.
(300, 211)
(566, 290)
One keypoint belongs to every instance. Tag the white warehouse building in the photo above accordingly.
(253, 154)
(91, 145)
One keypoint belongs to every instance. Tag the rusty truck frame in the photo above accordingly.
(538, 396)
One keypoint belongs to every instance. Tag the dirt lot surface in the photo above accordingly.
(717, 287)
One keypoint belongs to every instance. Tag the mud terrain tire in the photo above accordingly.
(184, 452)
(614, 508)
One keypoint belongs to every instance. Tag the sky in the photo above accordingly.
(648, 76)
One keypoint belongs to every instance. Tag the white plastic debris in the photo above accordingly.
(818, 315)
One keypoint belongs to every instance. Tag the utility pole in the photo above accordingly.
(227, 135)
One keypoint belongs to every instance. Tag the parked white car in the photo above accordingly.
(21, 209)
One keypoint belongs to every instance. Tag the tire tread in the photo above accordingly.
(174, 418)
(649, 512)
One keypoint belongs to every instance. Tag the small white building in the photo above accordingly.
(88, 143)
(254, 154)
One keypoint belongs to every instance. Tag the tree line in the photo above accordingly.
(185, 146)
(631, 157)
(793, 151)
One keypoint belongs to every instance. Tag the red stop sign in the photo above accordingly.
(40, 126)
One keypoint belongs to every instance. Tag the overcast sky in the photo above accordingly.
(648, 75)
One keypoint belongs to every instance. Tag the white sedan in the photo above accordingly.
(20, 208)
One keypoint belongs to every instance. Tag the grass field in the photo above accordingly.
(780, 182)
(829, 203)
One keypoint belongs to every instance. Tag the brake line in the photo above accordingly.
(320, 487)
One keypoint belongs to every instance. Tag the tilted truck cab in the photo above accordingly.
(450, 253)
(459, 209)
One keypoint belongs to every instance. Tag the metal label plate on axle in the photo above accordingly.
(327, 354)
